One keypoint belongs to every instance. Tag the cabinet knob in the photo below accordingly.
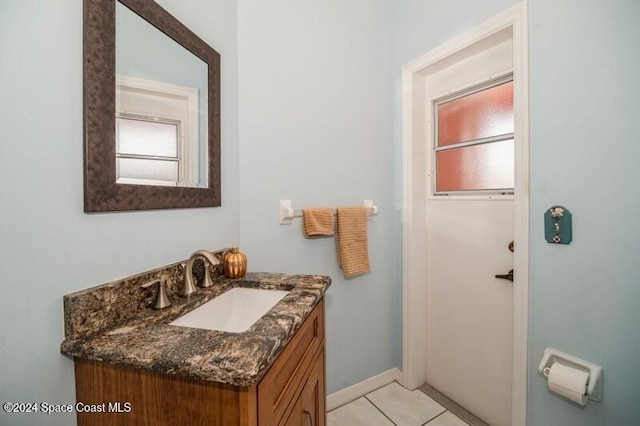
(308, 413)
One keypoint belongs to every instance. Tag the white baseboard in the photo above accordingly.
(354, 392)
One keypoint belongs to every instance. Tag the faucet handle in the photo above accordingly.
(162, 301)
(206, 280)
(188, 288)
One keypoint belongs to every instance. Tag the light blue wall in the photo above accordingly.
(48, 246)
(316, 128)
(585, 63)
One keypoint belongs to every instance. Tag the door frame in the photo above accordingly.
(414, 205)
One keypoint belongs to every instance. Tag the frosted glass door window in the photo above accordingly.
(147, 151)
(474, 140)
(479, 115)
(476, 167)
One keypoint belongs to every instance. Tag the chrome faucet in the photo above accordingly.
(189, 287)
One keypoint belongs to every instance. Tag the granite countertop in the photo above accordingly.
(142, 338)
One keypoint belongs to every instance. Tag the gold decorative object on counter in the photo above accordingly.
(235, 264)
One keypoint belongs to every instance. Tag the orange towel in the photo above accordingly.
(317, 222)
(351, 238)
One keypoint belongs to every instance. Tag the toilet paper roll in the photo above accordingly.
(569, 382)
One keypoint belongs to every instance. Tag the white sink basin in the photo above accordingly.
(234, 311)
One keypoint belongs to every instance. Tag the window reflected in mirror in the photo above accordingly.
(147, 151)
(161, 104)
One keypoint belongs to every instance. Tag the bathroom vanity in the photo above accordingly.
(135, 368)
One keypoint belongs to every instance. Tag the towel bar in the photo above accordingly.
(287, 213)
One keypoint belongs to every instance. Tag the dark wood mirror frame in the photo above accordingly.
(101, 192)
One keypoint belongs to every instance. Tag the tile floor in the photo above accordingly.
(393, 405)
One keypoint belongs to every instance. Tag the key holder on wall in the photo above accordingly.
(557, 225)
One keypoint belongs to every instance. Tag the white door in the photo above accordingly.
(469, 311)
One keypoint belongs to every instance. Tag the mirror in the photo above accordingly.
(151, 110)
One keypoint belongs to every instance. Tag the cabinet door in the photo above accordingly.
(282, 385)
(296, 416)
(310, 409)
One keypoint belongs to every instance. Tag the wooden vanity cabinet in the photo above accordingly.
(291, 393)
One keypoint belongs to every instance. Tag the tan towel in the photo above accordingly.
(351, 236)
(317, 222)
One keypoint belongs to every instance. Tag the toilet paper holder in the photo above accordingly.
(594, 385)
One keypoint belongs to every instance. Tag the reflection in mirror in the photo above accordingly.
(161, 105)
(151, 110)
